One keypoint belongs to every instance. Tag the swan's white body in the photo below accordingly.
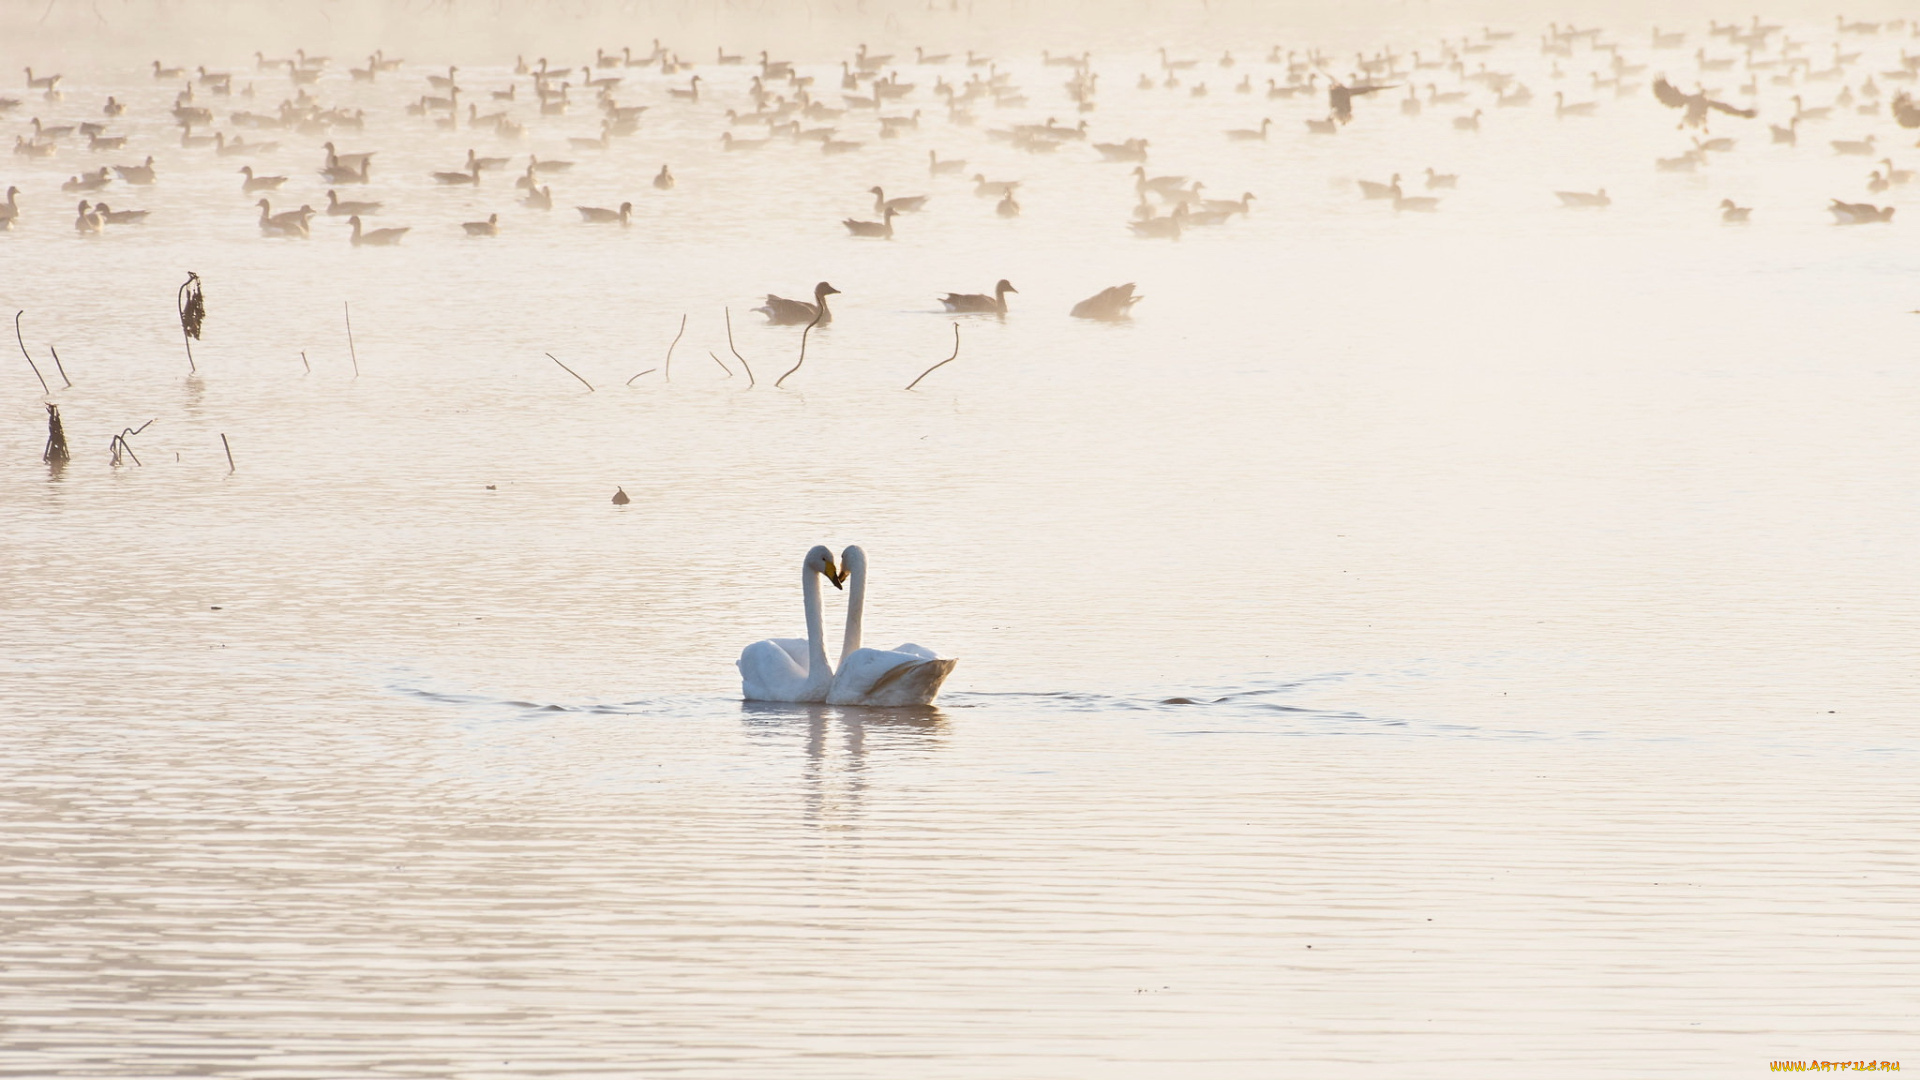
(789, 669)
(908, 675)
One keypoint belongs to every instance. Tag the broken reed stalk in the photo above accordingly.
(229, 446)
(36, 367)
(676, 340)
(649, 371)
(56, 451)
(943, 363)
(576, 374)
(62, 368)
(722, 363)
(803, 345)
(303, 362)
(119, 445)
(192, 305)
(348, 308)
(736, 352)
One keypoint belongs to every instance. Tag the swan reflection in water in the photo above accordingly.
(845, 746)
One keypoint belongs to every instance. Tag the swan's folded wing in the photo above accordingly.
(769, 671)
(909, 675)
(796, 648)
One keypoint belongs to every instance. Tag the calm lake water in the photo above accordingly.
(1469, 644)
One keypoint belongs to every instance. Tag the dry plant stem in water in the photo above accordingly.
(803, 347)
(348, 308)
(119, 444)
(56, 451)
(60, 367)
(36, 367)
(722, 363)
(229, 448)
(943, 363)
(668, 370)
(736, 352)
(576, 374)
(192, 304)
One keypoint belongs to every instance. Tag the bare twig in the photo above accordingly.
(62, 368)
(576, 374)
(676, 341)
(803, 345)
(943, 363)
(229, 446)
(350, 351)
(722, 363)
(23, 352)
(736, 352)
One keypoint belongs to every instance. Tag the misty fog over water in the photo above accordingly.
(1459, 623)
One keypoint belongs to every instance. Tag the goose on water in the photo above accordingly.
(89, 221)
(1846, 213)
(489, 227)
(1854, 147)
(337, 208)
(1576, 200)
(980, 302)
(1258, 134)
(484, 164)
(663, 180)
(1441, 180)
(878, 230)
(351, 161)
(990, 189)
(120, 217)
(375, 237)
(603, 216)
(292, 224)
(905, 204)
(1373, 189)
(254, 183)
(87, 181)
(1108, 305)
(1007, 207)
(1166, 228)
(10, 210)
(1243, 205)
(540, 198)
(342, 174)
(1734, 214)
(471, 176)
(137, 174)
(781, 311)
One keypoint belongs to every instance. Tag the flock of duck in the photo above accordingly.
(1724, 76)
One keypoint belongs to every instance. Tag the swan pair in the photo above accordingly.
(793, 670)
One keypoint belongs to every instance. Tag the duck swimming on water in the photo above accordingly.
(980, 302)
(781, 311)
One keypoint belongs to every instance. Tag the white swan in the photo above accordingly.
(789, 669)
(908, 675)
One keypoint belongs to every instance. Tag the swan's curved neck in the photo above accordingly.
(819, 672)
(856, 605)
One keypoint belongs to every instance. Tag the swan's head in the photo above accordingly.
(820, 561)
(852, 559)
